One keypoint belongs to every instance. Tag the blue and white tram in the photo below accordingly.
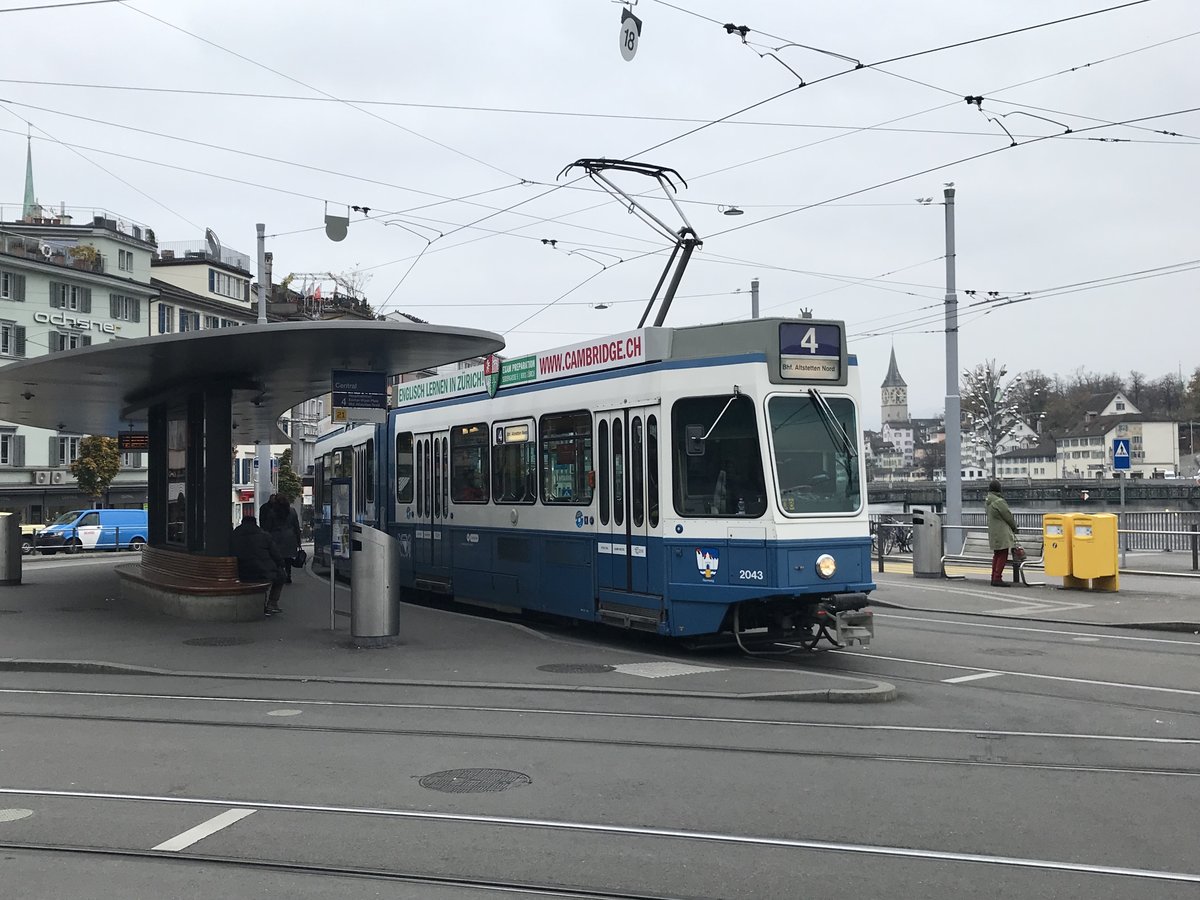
(695, 481)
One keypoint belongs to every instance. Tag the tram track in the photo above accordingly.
(913, 759)
(338, 871)
(1019, 692)
(550, 712)
(567, 827)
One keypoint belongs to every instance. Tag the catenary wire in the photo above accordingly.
(318, 90)
(87, 159)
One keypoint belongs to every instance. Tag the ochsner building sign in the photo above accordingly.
(596, 355)
(62, 320)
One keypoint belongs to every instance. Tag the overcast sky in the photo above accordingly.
(548, 86)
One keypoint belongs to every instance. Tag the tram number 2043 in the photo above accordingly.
(750, 574)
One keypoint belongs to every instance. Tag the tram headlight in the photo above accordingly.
(826, 565)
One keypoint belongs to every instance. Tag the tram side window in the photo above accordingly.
(652, 469)
(514, 464)
(718, 461)
(469, 463)
(603, 438)
(369, 470)
(566, 440)
(404, 467)
(326, 478)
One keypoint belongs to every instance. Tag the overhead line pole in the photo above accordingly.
(262, 449)
(953, 400)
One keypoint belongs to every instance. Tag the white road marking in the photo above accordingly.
(976, 677)
(1086, 640)
(283, 713)
(966, 624)
(662, 669)
(14, 815)
(940, 665)
(597, 714)
(648, 831)
(203, 830)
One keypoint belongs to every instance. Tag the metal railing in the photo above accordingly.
(1138, 532)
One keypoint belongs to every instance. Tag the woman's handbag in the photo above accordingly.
(299, 559)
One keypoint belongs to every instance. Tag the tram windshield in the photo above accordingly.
(817, 470)
(718, 461)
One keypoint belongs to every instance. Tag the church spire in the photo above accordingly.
(893, 378)
(30, 203)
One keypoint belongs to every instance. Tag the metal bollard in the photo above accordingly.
(1195, 539)
(879, 544)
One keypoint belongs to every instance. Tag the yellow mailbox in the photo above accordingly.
(1057, 529)
(1094, 550)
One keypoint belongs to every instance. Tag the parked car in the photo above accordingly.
(94, 529)
(27, 533)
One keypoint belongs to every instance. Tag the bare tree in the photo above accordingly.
(1137, 383)
(990, 405)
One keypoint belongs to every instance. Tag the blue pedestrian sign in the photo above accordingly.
(1121, 455)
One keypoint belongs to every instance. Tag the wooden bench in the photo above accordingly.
(187, 586)
(977, 549)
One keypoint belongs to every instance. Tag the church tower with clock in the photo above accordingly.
(893, 394)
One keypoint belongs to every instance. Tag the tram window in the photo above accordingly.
(427, 481)
(343, 463)
(437, 478)
(469, 463)
(404, 467)
(326, 479)
(566, 440)
(446, 475)
(722, 475)
(638, 483)
(816, 472)
(603, 438)
(369, 470)
(420, 479)
(652, 470)
(618, 452)
(514, 464)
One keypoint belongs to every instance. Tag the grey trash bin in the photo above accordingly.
(10, 549)
(927, 544)
(374, 587)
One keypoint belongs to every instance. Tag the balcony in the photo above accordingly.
(67, 254)
(203, 251)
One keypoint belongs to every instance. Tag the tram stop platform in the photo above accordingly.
(68, 616)
(1144, 602)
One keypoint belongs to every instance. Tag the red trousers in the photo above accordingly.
(999, 561)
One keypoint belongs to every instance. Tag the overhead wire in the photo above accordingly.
(977, 305)
(11, 9)
(85, 158)
(293, 79)
(936, 168)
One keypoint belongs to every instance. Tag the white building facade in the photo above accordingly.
(67, 280)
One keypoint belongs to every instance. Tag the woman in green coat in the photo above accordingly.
(1002, 532)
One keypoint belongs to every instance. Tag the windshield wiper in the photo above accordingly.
(832, 425)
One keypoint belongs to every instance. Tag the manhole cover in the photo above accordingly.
(474, 781)
(218, 641)
(577, 668)
(1014, 651)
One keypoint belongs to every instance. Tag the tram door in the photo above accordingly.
(431, 544)
(627, 464)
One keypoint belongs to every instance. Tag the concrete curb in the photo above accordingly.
(1176, 627)
(877, 692)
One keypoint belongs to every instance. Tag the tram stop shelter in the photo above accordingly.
(198, 394)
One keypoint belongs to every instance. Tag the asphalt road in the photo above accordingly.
(1021, 760)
